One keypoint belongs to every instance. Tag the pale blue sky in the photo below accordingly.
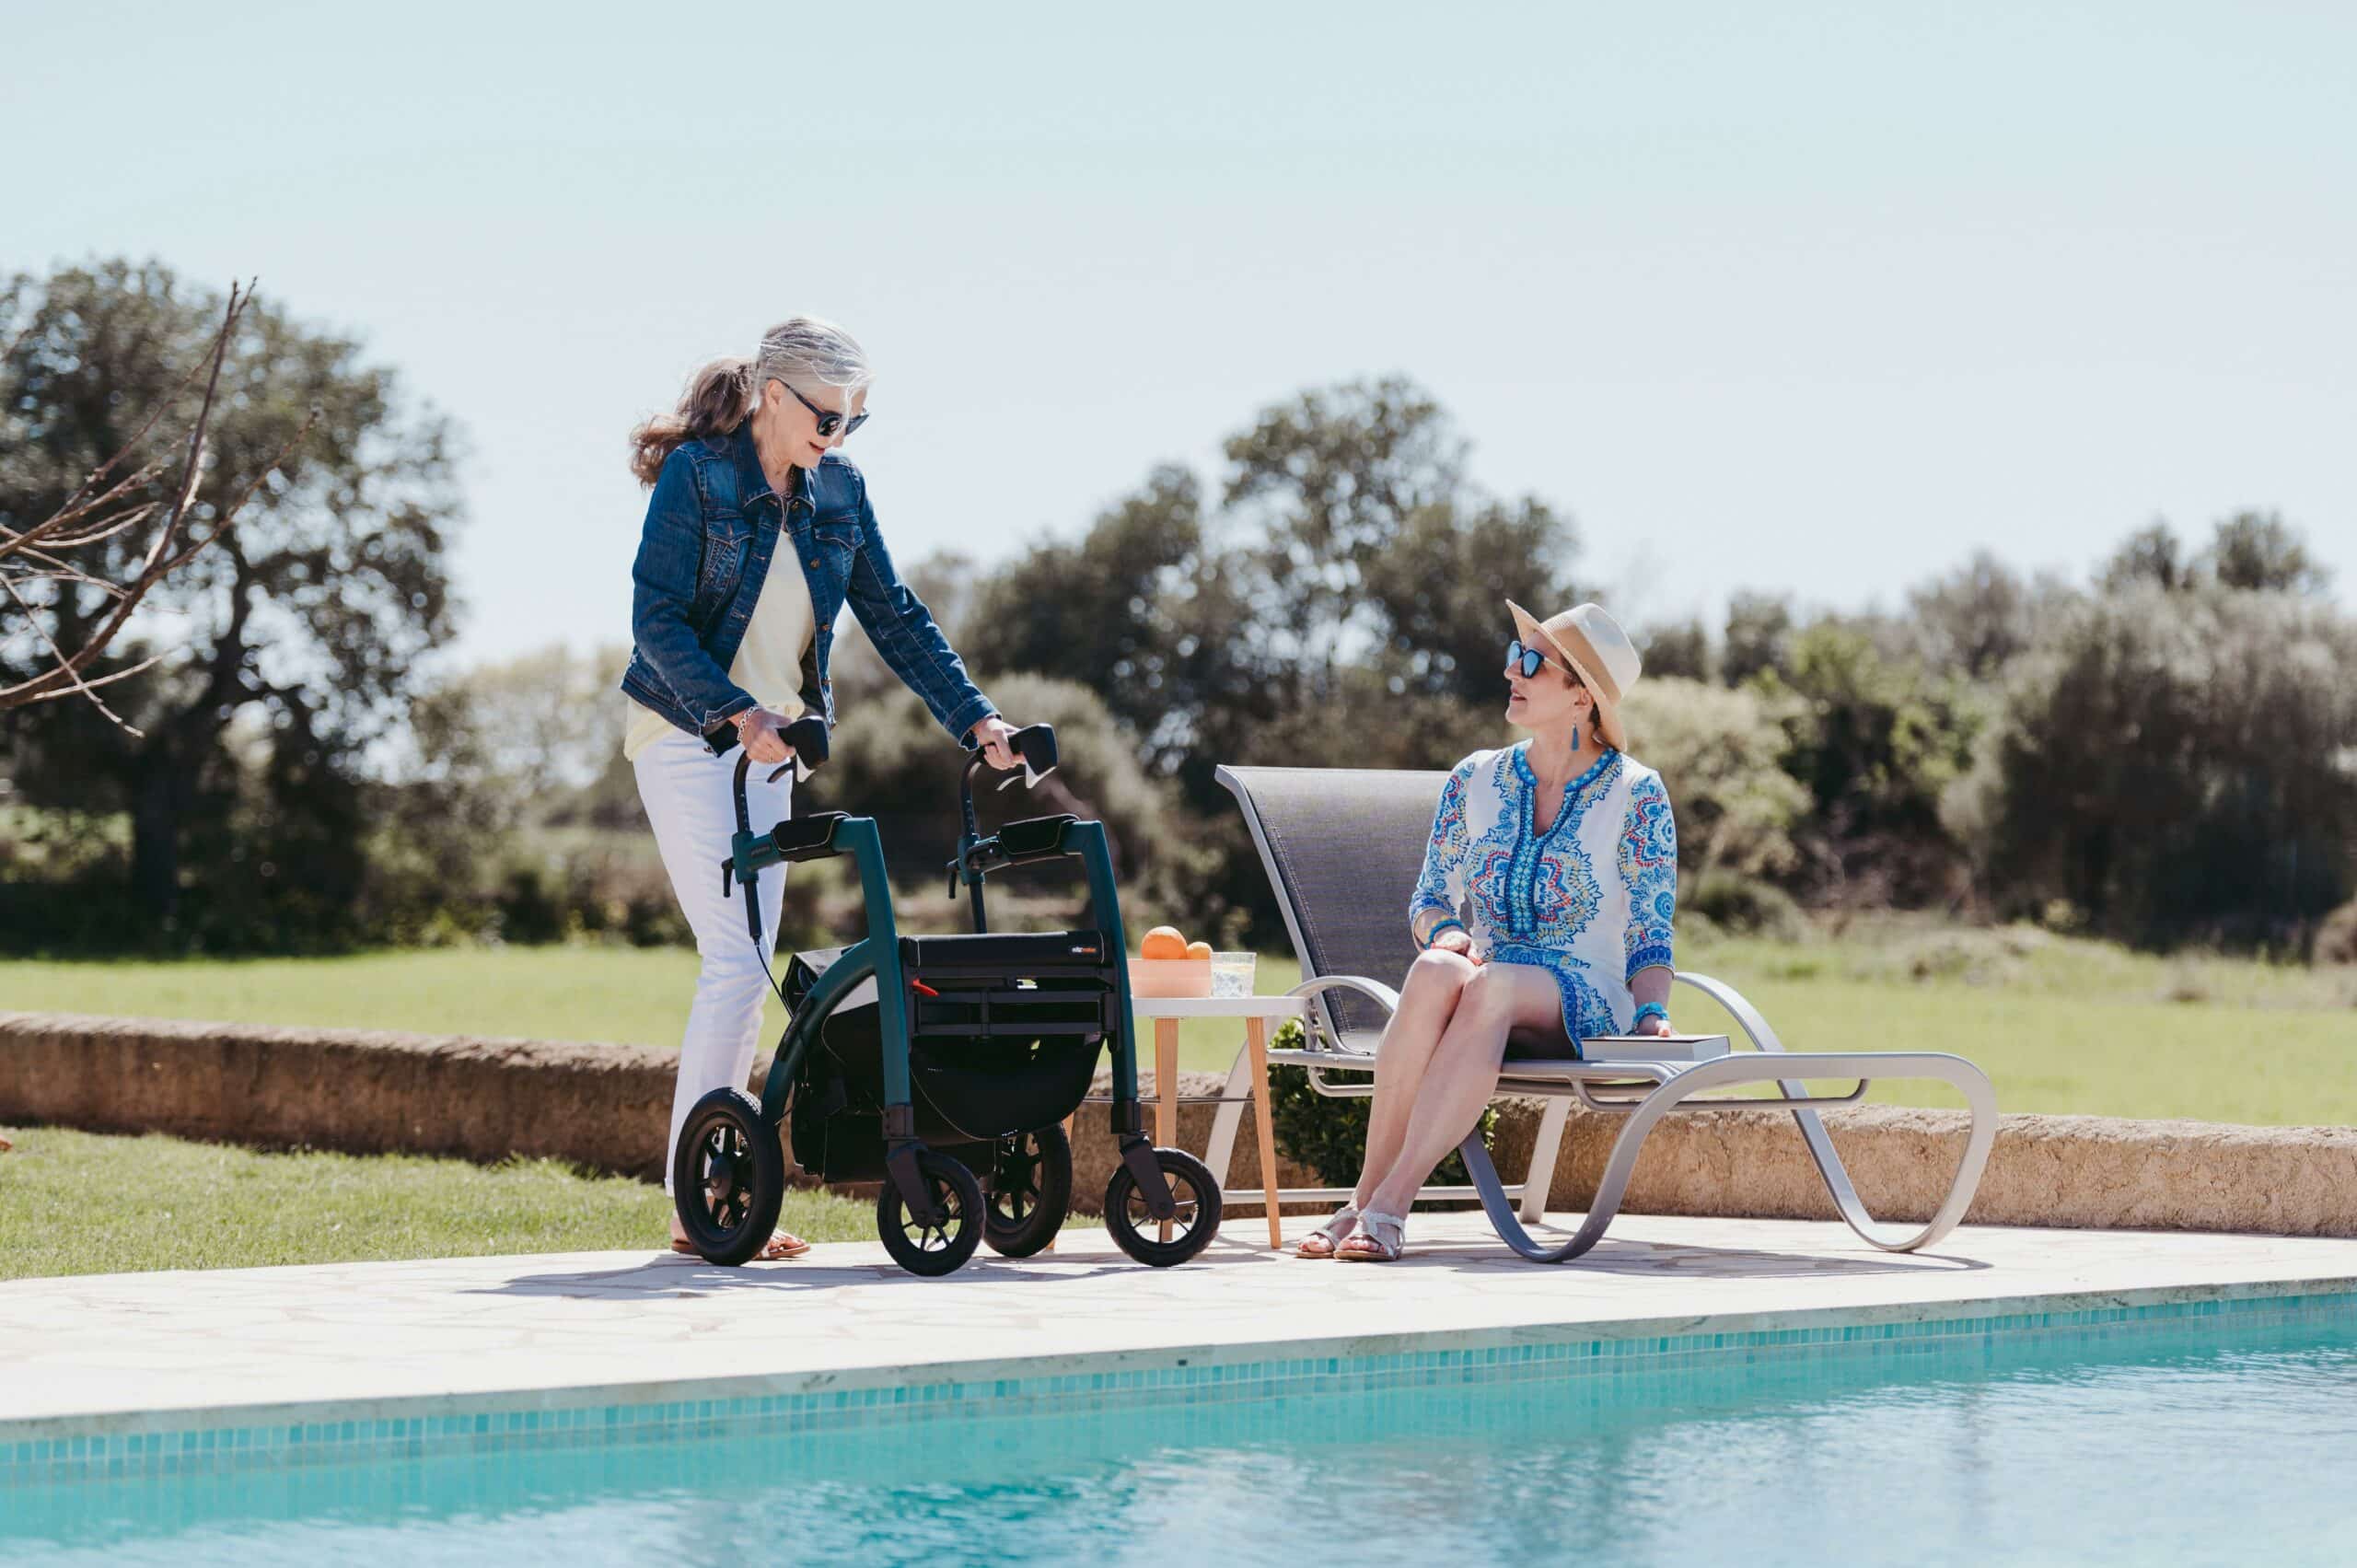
(1809, 298)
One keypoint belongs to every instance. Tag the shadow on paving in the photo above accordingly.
(667, 1275)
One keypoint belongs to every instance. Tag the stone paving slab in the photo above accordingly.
(138, 1352)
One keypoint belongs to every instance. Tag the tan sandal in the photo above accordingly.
(784, 1243)
(1380, 1240)
(1324, 1241)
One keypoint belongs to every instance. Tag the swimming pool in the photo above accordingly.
(2194, 1432)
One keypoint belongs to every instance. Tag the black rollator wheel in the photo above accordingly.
(728, 1176)
(1030, 1192)
(940, 1248)
(1164, 1242)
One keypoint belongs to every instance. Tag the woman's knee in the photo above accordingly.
(1490, 992)
(1438, 975)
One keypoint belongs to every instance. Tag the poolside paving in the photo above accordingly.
(127, 1352)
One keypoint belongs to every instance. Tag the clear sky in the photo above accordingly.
(1815, 297)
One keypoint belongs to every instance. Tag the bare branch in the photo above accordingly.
(107, 680)
(69, 671)
(91, 516)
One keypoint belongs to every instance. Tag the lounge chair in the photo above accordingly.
(1343, 848)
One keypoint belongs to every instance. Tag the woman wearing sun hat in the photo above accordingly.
(1543, 911)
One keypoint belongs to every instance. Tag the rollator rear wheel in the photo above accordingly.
(1030, 1192)
(939, 1250)
(1139, 1235)
(728, 1176)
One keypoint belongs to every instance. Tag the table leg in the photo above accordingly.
(1166, 1090)
(1256, 1035)
(1165, 1082)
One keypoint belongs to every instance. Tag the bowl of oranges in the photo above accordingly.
(1169, 964)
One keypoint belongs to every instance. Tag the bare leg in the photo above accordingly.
(1463, 1072)
(1427, 1001)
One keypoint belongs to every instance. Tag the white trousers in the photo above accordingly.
(689, 799)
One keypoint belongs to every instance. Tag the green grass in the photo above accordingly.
(76, 1204)
(2062, 1026)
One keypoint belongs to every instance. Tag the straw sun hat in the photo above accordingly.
(1592, 645)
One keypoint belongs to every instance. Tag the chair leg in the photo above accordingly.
(1540, 1180)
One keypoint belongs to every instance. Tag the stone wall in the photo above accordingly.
(608, 1107)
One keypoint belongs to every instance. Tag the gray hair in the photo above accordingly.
(720, 396)
(807, 350)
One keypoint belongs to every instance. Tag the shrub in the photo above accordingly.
(2176, 766)
(1743, 906)
(1717, 751)
(2336, 937)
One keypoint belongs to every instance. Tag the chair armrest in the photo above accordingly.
(1746, 1015)
(1380, 993)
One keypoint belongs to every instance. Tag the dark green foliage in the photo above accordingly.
(1758, 627)
(2173, 766)
(1681, 650)
(1743, 906)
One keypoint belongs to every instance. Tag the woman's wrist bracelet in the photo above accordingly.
(1649, 1010)
(1434, 935)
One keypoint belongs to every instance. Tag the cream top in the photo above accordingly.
(769, 662)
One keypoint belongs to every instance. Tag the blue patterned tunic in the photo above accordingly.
(1590, 900)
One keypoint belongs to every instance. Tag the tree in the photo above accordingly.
(1717, 751)
(300, 630)
(1681, 651)
(2152, 556)
(2257, 551)
(1366, 572)
(152, 478)
(1351, 576)
(1132, 610)
(1976, 619)
(2178, 764)
(1758, 627)
(1877, 742)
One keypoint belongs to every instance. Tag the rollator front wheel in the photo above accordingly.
(728, 1178)
(937, 1249)
(1163, 1243)
(1030, 1192)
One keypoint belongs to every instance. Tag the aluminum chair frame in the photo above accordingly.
(1644, 1091)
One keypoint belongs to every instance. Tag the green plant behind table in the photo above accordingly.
(1329, 1136)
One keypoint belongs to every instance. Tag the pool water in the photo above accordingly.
(2183, 1444)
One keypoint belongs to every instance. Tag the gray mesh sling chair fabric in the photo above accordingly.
(1343, 847)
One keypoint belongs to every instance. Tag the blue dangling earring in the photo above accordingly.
(1576, 737)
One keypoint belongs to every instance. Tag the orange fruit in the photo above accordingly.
(1200, 950)
(1163, 942)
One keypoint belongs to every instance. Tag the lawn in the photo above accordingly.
(2062, 1025)
(76, 1204)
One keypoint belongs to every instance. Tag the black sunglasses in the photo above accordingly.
(830, 420)
(1527, 660)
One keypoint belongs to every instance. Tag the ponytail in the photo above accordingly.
(718, 398)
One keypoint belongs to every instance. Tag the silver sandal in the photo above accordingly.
(1384, 1236)
(1333, 1233)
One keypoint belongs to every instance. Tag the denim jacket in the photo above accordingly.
(713, 526)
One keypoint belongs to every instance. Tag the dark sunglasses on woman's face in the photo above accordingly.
(830, 420)
(1527, 660)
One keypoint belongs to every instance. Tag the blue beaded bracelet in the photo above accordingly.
(1650, 1010)
(1434, 935)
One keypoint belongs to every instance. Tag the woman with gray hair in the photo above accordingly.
(726, 652)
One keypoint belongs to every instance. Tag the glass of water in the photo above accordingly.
(1232, 973)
